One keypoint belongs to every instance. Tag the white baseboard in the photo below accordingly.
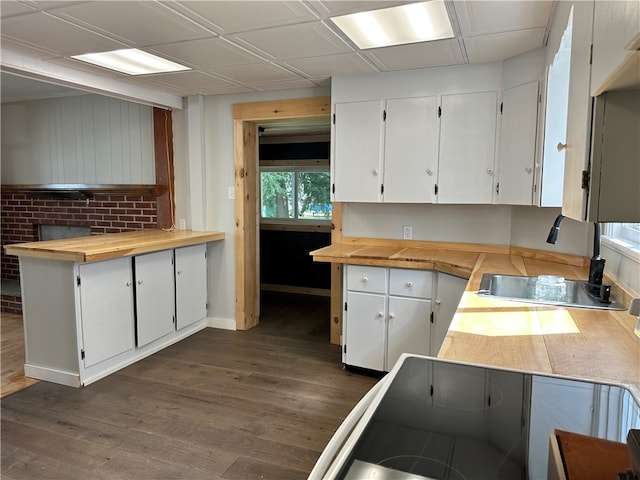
(51, 375)
(223, 323)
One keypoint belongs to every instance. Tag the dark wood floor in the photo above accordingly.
(259, 404)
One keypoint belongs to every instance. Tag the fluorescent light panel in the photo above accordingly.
(411, 23)
(131, 61)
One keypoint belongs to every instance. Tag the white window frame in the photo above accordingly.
(624, 238)
(287, 167)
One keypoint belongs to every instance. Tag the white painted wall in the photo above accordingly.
(79, 139)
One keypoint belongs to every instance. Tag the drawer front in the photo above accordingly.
(410, 283)
(366, 279)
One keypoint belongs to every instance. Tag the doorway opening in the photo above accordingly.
(249, 120)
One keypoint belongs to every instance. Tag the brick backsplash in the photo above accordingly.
(21, 213)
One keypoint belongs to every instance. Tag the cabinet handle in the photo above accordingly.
(528, 169)
(409, 284)
(490, 171)
(380, 314)
(128, 283)
(391, 316)
(429, 171)
(179, 272)
(139, 282)
(374, 173)
(365, 279)
(561, 146)
(438, 301)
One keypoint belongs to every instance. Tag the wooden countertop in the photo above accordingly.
(597, 345)
(111, 245)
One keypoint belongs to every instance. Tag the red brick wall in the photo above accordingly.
(21, 213)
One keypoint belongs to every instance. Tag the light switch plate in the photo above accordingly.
(407, 232)
(231, 193)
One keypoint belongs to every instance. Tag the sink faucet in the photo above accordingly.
(596, 266)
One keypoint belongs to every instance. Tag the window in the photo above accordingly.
(624, 237)
(295, 194)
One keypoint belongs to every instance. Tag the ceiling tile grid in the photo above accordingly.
(248, 45)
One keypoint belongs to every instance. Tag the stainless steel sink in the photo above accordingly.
(574, 293)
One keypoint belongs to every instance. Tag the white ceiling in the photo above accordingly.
(246, 46)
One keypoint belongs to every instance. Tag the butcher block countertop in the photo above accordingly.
(596, 345)
(111, 245)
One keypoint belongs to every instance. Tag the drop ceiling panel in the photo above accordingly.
(340, 64)
(206, 53)
(295, 41)
(55, 35)
(14, 8)
(490, 48)
(189, 81)
(486, 17)
(239, 16)
(340, 7)
(417, 55)
(289, 84)
(137, 23)
(257, 73)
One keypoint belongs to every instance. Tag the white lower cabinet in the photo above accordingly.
(389, 311)
(191, 284)
(106, 309)
(155, 297)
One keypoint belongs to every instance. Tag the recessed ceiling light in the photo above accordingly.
(411, 23)
(131, 61)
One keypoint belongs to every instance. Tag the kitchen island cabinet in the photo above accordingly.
(92, 305)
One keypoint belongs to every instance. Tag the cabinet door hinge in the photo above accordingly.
(345, 348)
(333, 188)
(501, 107)
(334, 118)
(432, 321)
(82, 354)
(498, 188)
(439, 112)
(431, 390)
(585, 179)
(206, 306)
(78, 280)
(591, 54)
(174, 319)
(381, 188)
(171, 260)
(435, 189)
(345, 306)
(205, 253)
(384, 115)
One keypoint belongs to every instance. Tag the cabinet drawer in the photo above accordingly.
(410, 283)
(366, 279)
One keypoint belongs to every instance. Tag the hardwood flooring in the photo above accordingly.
(12, 356)
(259, 404)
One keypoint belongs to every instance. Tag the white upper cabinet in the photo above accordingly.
(357, 151)
(467, 148)
(410, 153)
(579, 112)
(519, 120)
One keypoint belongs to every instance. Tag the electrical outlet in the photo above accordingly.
(407, 232)
(231, 192)
(182, 224)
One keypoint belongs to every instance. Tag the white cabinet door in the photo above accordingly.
(574, 197)
(555, 125)
(191, 284)
(519, 121)
(155, 308)
(467, 148)
(364, 332)
(410, 156)
(408, 330)
(357, 152)
(449, 291)
(106, 309)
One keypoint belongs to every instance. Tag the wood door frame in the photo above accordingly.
(246, 117)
